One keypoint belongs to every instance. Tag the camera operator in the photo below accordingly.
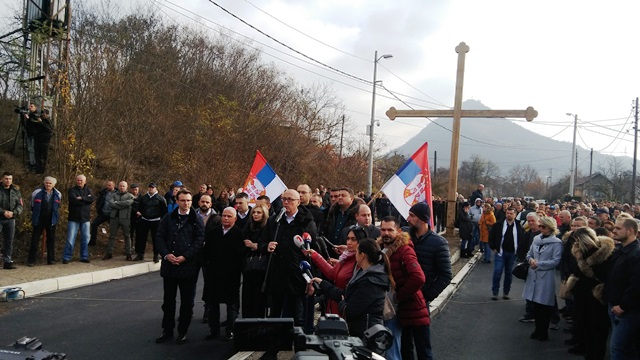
(43, 134)
(31, 119)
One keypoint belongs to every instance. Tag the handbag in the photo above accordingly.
(256, 262)
(521, 270)
(389, 310)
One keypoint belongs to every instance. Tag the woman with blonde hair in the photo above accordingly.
(591, 319)
(486, 222)
(540, 287)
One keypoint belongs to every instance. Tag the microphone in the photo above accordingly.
(307, 240)
(280, 214)
(298, 242)
(307, 275)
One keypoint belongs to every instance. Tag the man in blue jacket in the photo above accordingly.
(45, 203)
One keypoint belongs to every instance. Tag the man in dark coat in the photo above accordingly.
(284, 280)
(622, 292)
(103, 209)
(224, 253)
(43, 135)
(339, 216)
(433, 255)
(80, 199)
(506, 239)
(179, 242)
(10, 209)
(477, 194)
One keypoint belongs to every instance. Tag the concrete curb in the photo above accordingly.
(46, 286)
(438, 303)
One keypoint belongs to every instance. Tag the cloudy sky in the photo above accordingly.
(558, 56)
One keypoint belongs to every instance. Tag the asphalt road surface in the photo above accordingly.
(472, 326)
(119, 319)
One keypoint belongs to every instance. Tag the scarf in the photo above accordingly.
(345, 255)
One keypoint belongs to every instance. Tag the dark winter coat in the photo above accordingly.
(465, 225)
(152, 207)
(622, 286)
(363, 298)
(80, 209)
(224, 259)
(38, 199)
(180, 240)
(593, 268)
(330, 222)
(11, 203)
(495, 237)
(433, 255)
(409, 279)
(284, 272)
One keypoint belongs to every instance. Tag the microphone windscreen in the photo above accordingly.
(298, 241)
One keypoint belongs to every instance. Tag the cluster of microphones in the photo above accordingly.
(304, 243)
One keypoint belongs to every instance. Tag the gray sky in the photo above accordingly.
(557, 56)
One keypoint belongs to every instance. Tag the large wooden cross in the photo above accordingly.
(458, 113)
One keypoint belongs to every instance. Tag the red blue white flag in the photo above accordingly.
(411, 183)
(262, 180)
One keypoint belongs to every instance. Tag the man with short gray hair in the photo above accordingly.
(45, 203)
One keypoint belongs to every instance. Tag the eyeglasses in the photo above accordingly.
(288, 199)
(542, 226)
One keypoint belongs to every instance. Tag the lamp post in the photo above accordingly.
(373, 113)
(573, 153)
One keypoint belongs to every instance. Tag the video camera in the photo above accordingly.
(331, 340)
(28, 348)
(20, 110)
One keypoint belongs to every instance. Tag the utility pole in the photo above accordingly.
(573, 154)
(635, 152)
(590, 171)
(341, 136)
(435, 164)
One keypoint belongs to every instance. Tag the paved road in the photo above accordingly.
(114, 320)
(472, 326)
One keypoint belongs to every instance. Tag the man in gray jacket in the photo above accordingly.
(120, 204)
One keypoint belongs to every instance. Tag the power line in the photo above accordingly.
(289, 47)
(302, 33)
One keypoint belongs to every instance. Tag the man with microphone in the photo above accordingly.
(284, 281)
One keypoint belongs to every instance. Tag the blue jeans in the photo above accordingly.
(502, 263)
(487, 251)
(394, 352)
(476, 236)
(31, 150)
(8, 229)
(624, 332)
(72, 231)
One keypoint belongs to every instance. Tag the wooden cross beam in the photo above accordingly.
(457, 113)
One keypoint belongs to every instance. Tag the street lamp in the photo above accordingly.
(573, 153)
(373, 113)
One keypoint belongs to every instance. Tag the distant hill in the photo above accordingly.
(503, 142)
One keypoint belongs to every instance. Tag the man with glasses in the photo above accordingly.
(284, 281)
(179, 242)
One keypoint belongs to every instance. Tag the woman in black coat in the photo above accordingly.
(254, 302)
(465, 228)
(362, 302)
(593, 256)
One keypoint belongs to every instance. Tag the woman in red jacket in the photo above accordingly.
(339, 271)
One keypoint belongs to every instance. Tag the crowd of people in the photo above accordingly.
(594, 247)
(368, 274)
(258, 249)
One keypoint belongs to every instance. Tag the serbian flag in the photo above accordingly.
(411, 183)
(262, 180)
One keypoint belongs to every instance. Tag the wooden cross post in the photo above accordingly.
(458, 113)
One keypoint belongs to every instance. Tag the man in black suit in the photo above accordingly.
(224, 254)
(179, 240)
